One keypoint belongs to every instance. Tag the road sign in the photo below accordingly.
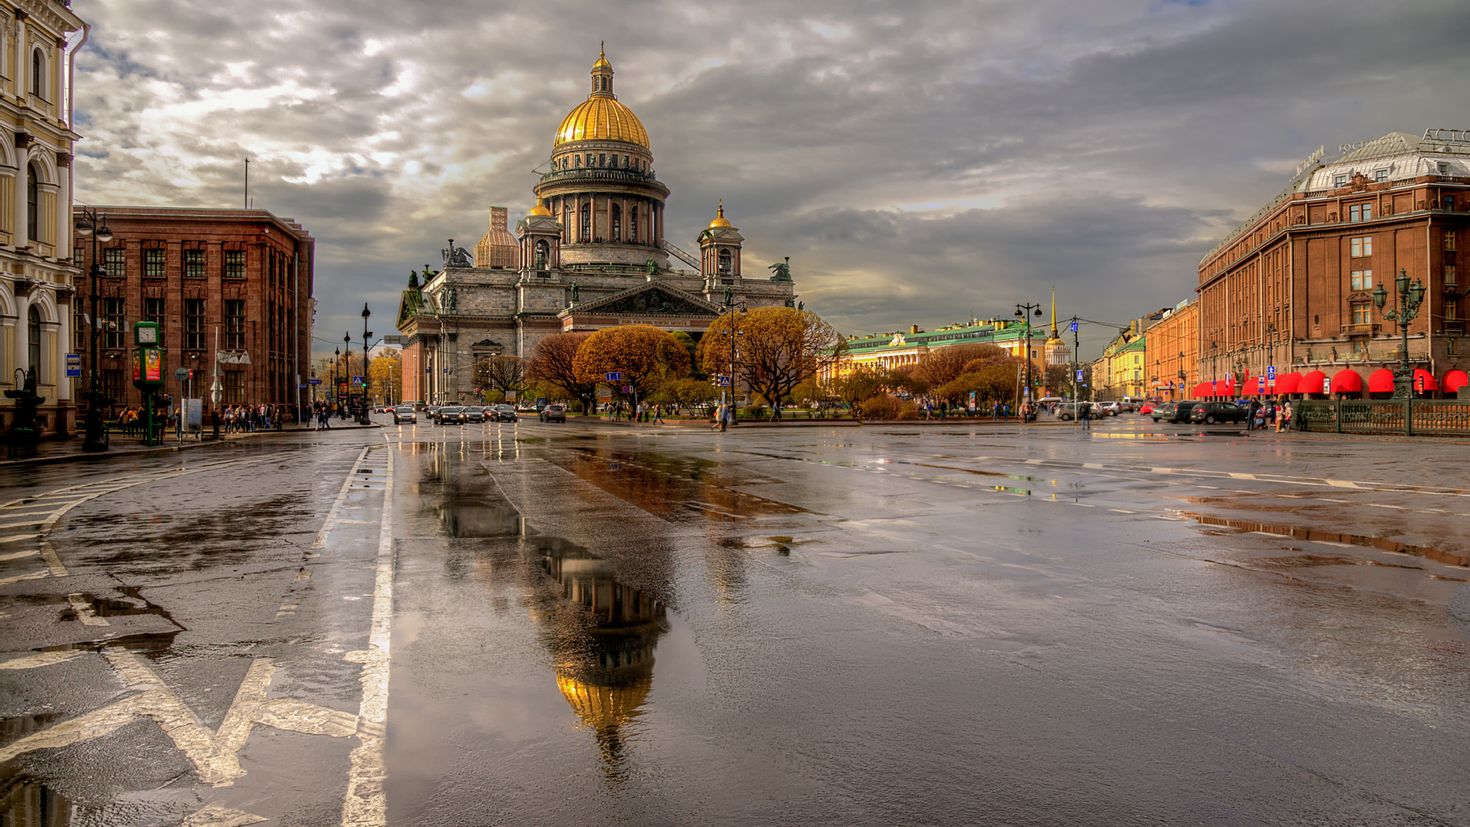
(1270, 371)
(1326, 385)
(613, 376)
(181, 374)
(357, 380)
(313, 381)
(73, 364)
(722, 381)
(627, 389)
(1079, 375)
(1072, 327)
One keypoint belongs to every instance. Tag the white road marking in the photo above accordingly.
(365, 803)
(17, 555)
(85, 613)
(1236, 475)
(215, 815)
(24, 524)
(1121, 511)
(41, 659)
(35, 575)
(1342, 483)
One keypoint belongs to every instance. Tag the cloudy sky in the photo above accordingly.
(920, 162)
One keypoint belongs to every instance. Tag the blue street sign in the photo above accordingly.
(1079, 376)
(357, 380)
(73, 364)
(613, 376)
(1270, 371)
(1072, 327)
(313, 381)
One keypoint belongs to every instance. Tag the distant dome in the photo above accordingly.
(720, 219)
(497, 248)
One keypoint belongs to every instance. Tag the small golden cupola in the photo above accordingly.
(720, 220)
(719, 252)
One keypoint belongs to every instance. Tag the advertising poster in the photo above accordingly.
(153, 358)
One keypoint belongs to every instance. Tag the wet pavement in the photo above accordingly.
(905, 624)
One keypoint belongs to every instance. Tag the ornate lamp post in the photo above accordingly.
(347, 371)
(94, 226)
(336, 357)
(729, 306)
(1407, 298)
(362, 411)
(1023, 311)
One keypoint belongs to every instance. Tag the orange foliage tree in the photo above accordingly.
(945, 364)
(645, 355)
(776, 349)
(553, 363)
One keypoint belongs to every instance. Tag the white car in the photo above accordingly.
(404, 413)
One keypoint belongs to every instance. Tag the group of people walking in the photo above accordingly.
(1269, 414)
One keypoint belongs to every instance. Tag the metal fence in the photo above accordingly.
(1421, 417)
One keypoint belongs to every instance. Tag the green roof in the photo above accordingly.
(970, 334)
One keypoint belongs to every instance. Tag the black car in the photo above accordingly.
(1180, 411)
(502, 413)
(1212, 412)
(554, 413)
(450, 415)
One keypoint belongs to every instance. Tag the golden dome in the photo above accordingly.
(601, 118)
(540, 209)
(601, 60)
(720, 219)
(602, 706)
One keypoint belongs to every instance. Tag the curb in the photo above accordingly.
(133, 450)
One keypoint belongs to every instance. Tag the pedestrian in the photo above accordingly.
(1286, 417)
(658, 415)
(214, 421)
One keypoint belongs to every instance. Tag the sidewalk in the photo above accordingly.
(51, 452)
(824, 423)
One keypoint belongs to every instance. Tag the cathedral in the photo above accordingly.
(590, 254)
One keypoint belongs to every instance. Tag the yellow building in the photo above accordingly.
(38, 41)
(886, 351)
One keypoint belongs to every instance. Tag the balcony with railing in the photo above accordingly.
(622, 176)
(1361, 329)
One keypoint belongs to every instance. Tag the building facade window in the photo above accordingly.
(234, 387)
(725, 260)
(114, 325)
(1380, 175)
(1360, 212)
(1449, 275)
(633, 223)
(617, 222)
(38, 73)
(1362, 280)
(234, 264)
(1449, 241)
(33, 329)
(586, 223)
(193, 264)
(153, 311)
(1362, 246)
(1362, 313)
(153, 263)
(112, 262)
(1448, 201)
(112, 384)
(33, 203)
(234, 324)
(193, 324)
(1340, 180)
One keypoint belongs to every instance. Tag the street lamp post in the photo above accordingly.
(1024, 311)
(729, 306)
(362, 410)
(336, 357)
(1183, 377)
(94, 226)
(1407, 298)
(347, 371)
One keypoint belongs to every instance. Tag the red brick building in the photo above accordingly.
(229, 284)
(1292, 287)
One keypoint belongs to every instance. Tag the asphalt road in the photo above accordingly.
(596, 624)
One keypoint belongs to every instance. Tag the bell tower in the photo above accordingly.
(539, 235)
(719, 253)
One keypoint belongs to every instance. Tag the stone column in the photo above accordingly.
(63, 205)
(63, 347)
(22, 333)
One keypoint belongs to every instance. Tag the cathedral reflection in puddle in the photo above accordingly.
(601, 634)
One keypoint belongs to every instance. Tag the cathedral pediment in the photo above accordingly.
(650, 299)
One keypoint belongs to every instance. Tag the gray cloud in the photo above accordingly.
(912, 160)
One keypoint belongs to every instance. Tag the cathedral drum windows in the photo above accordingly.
(586, 234)
(725, 260)
(617, 222)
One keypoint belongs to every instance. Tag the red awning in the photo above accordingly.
(1313, 382)
(1347, 381)
(1454, 380)
(1380, 381)
(1424, 380)
(1202, 390)
(1288, 382)
(1225, 389)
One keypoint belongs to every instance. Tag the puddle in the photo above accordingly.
(25, 802)
(675, 490)
(1309, 560)
(134, 605)
(465, 517)
(1438, 555)
(601, 634)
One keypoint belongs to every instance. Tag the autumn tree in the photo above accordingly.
(685, 394)
(946, 363)
(861, 383)
(385, 376)
(776, 349)
(553, 363)
(645, 355)
(506, 374)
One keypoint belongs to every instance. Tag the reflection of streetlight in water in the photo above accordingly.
(602, 634)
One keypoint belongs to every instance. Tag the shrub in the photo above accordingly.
(881, 406)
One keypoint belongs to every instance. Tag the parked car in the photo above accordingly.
(1163, 410)
(474, 413)
(1212, 412)
(1126, 406)
(1068, 411)
(1180, 412)
(451, 415)
(1103, 408)
(1146, 408)
(503, 413)
(554, 413)
(404, 413)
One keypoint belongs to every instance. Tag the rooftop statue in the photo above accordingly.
(782, 270)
